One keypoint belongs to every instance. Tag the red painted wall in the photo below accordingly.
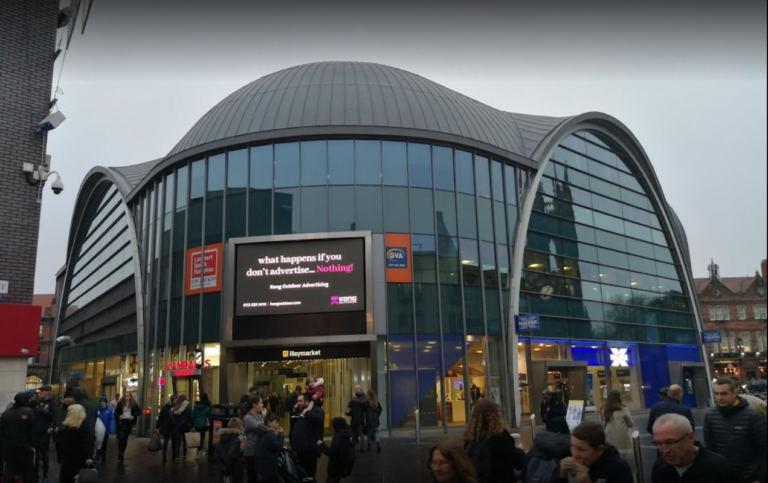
(20, 329)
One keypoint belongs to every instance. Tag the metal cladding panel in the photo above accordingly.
(362, 94)
(20, 326)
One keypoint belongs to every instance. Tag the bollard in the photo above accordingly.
(533, 427)
(418, 429)
(638, 456)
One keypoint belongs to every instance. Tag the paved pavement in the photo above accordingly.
(401, 460)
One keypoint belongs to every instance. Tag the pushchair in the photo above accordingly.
(289, 469)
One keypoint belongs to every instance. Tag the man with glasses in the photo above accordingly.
(682, 459)
(737, 431)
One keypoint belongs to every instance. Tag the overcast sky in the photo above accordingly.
(688, 79)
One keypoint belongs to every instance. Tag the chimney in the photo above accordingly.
(764, 269)
(714, 270)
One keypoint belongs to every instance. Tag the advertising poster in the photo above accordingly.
(301, 277)
(574, 413)
(397, 255)
(210, 276)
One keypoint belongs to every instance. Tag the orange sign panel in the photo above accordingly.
(204, 269)
(398, 257)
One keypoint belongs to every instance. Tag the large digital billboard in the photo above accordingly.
(300, 277)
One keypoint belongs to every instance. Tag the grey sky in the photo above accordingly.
(689, 80)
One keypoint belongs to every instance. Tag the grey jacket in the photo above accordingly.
(251, 423)
(739, 433)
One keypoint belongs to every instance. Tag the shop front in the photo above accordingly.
(102, 377)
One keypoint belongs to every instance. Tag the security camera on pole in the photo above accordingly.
(37, 176)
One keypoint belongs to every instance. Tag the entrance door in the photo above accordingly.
(189, 386)
(567, 379)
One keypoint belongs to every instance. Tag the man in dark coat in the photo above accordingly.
(671, 404)
(737, 431)
(307, 431)
(551, 407)
(592, 459)
(673, 436)
(356, 407)
(17, 424)
(44, 406)
(91, 413)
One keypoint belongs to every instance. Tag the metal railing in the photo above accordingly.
(639, 473)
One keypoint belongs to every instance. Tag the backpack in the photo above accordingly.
(480, 454)
(346, 457)
(541, 470)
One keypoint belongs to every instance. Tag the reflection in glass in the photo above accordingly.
(261, 167)
(341, 162)
(314, 210)
(467, 216)
(341, 206)
(394, 163)
(313, 163)
(423, 253)
(287, 211)
(430, 379)
(419, 165)
(442, 168)
(286, 165)
(422, 211)
(367, 162)
(465, 173)
(396, 219)
(445, 212)
(369, 209)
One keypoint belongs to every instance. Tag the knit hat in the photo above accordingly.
(103, 398)
(558, 425)
(21, 398)
(339, 424)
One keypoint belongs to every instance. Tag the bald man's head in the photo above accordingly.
(675, 392)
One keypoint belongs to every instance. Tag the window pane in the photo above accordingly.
(498, 181)
(182, 187)
(260, 212)
(465, 172)
(314, 210)
(611, 240)
(448, 252)
(423, 247)
(467, 216)
(394, 163)
(287, 211)
(369, 213)
(445, 211)
(400, 309)
(442, 167)
(368, 163)
(313, 163)
(237, 170)
(396, 217)
(470, 262)
(286, 165)
(341, 206)
(261, 167)
(483, 177)
(197, 189)
(419, 165)
(637, 231)
(501, 222)
(485, 219)
(214, 203)
(422, 211)
(612, 258)
(341, 162)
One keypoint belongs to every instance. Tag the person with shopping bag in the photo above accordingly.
(201, 413)
(182, 424)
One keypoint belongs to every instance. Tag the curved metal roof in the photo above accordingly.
(356, 94)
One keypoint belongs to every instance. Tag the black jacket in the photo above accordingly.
(18, 424)
(708, 467)
(91, 414)
(126, 424)
(45, 414)
(547, 446)
(164, 422)
(667, 406)
(307, 431)
(552, 409)
(502, 454)
(228, 451)
(342, 440)
(268, 448)
(739, 433)
(372, 416)
(183, 422)
(357, 406)
(74, 444)
(610, 467)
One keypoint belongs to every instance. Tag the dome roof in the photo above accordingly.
(358, 94)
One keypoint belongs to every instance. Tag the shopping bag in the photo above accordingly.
(154, 442)
(192, 439)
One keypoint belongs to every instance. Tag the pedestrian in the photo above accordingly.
(107, 417)
(542, 463)
(663, 392)
(307, 431)
(61, 415)
(551, 406)
(737, 431)
(292, 400)
(81, 398)
(448, 463)
(182, 423)
(44, 407)
(474, 393)
(269, 445)
(253, 391)
(683, 458)
(616, 421)
(113, 402)
(316, 391)
(165, 425)
(253, 419)
(341, 453)
(489, 445)
(373, 419)
(228, 451)
(18, 450)
(76, 439)
(593, 460)
(127, 413)
(671, 404)
(201, 414)
(356, 411)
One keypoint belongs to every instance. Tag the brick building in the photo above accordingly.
(736, 306)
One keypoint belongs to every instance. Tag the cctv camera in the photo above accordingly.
(51, 122)
(57, 186)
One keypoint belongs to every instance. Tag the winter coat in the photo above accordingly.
(307, 431)
(201, 413)
(551, 409)
(74, 444)
(60, 416)
(617, 434)
(372, 415)
(739, 433)
(357, 406)
(107, 417)
(81, 398)
(495, 458)
(126, 425)
(667, 406)
(251, 423)
(547, 446)
(267, 451)
(342, 440)
(316, 391)
(610, 467)
(45, 414)
(708, 467)
(228, 451)
(18, 423)
(165, 424)
(182, 418)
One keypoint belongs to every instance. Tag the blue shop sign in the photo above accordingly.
(397, 257)
(711, 337)
(527, 322)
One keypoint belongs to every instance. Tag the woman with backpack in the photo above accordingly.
(341, 454)
(372, 420)
(201, 413)
(489, 445)
(616, 421)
